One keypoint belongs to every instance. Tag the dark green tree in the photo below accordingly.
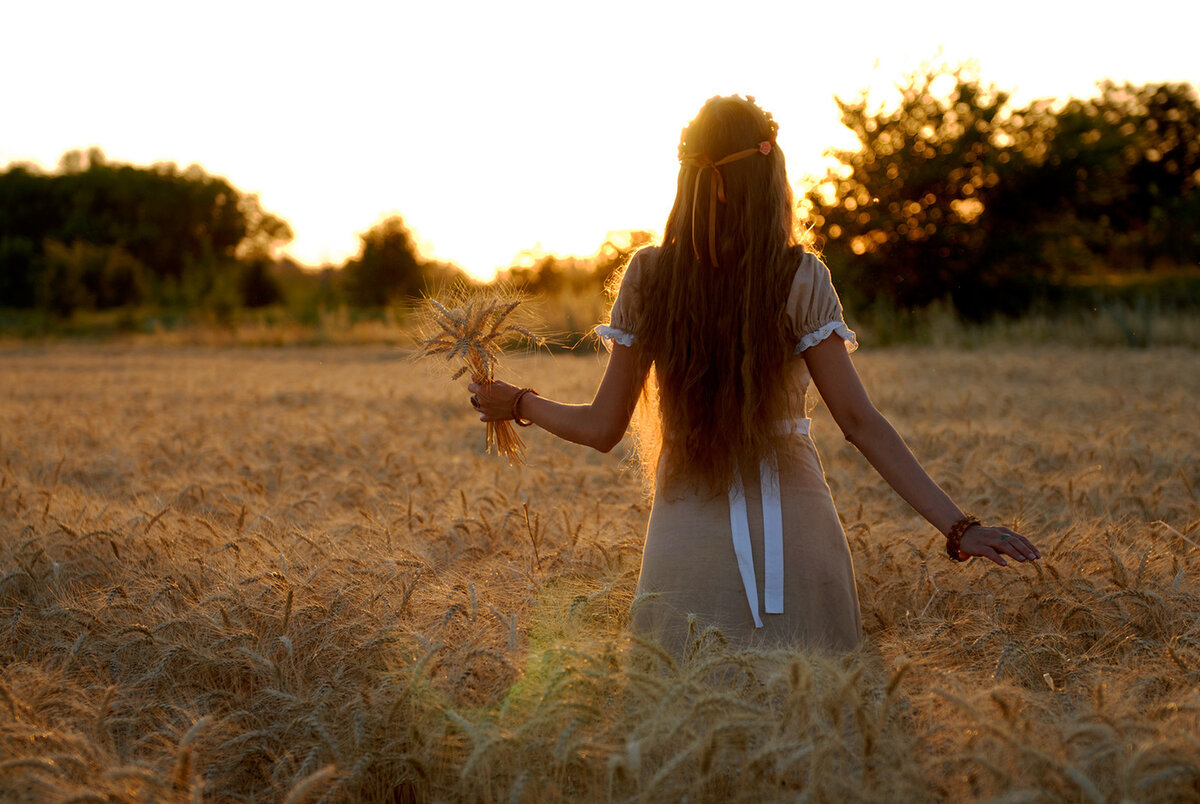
(927, 206)
(259, 286)
(955, 193)
(159, 233)
(389, 269)
(1125, 169)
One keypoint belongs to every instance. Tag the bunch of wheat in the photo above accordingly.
(473, 332)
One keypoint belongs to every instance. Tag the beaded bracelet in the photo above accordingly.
(516, 403)
(954, 537)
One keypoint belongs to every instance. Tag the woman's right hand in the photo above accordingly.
(994, 543)
(493, 400)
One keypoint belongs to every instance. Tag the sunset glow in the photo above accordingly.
(495, 129)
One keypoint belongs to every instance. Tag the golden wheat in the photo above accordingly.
(473, 332)
(291, 575)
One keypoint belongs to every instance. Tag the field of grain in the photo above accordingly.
(291, 574)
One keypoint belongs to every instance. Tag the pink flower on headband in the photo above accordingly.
(764, 147)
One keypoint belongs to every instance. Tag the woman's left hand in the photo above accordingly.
(996, 542)
(493, 400)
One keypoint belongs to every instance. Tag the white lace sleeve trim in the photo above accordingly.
(818, 335)
(613, 334)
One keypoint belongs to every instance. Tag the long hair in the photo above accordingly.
(717, 333)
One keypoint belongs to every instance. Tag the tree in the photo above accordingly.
(955, 193)
(127, 234)
(1126, 166)
(389, 269)
(258, 286)
(264, 231)
(915, 213)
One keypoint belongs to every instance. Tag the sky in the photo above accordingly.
(502, 131)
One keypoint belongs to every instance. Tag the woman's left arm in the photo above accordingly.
(867, 429)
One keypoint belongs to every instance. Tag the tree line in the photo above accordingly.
(951, 192)
(960, 193)
(955, 193)
(99, 235)
(96, 235)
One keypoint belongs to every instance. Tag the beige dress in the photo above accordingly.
(710, 560)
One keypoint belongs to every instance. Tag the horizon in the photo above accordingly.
(538, 130)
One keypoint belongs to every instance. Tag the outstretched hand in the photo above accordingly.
(493, 400)
(995, 543)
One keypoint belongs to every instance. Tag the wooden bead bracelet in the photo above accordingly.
(954, 537)
(515, 406)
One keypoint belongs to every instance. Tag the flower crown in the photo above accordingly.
(764, 147)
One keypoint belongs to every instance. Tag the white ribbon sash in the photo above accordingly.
(739, 524)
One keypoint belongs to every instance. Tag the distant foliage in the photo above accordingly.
(389, 268)
(953, 192)
(574, 292)
(96, 235)
(553, 275)
(1124, 172)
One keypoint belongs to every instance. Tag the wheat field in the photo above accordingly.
(293, 575)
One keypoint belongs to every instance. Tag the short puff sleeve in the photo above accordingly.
(622, 324)
(814, 309)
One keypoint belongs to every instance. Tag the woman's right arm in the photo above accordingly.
(599, 424)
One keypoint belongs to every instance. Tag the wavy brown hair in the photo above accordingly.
(718, 335)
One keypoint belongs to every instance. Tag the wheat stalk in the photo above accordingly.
(472, 331)
(385, 638)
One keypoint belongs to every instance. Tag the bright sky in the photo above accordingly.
(496, 128)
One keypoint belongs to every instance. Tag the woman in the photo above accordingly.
(731, 318)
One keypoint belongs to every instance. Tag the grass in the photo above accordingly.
(283, 574)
